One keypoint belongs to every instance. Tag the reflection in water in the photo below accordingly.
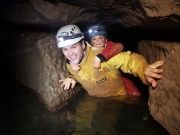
(25, 115)
(114, 116)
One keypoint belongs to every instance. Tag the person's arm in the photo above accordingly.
(110, 50)
(136, 64)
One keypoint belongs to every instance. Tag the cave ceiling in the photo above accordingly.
(51, 14)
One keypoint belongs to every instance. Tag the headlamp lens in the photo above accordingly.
(65, 36)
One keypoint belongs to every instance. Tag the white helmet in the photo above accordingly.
(68, 35)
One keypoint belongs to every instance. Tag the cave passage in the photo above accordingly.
(25, 22)
(23, 113)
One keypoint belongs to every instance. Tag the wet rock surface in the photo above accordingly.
(164, 102)
(131, 13)
(37, 65)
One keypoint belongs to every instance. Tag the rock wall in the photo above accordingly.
(164, 101)
(161, 8)
(38, 66)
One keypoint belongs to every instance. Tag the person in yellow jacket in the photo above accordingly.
(106, 81)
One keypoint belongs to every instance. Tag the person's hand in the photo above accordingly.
(67, 83)
(97, 63)
(153, 72)
(75, 67)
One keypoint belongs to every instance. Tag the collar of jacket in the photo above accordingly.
(86, 53)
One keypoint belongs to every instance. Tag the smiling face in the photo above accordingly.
(74, 53)
(98, 41)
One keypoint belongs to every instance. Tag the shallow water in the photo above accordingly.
(23, 114)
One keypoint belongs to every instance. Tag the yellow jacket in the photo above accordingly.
(107, 81)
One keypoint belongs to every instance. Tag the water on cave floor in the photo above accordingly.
(23, 114)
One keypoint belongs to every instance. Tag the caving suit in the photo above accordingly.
(107, 80)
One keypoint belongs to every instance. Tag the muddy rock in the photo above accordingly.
(38, 66)
(164, 103)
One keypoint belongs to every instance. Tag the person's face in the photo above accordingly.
(74, 53)
(98, 41)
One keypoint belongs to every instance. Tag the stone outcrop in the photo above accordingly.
(59, 13)
(164, 103)
(38, 66)
(161, 8)
(129, 13)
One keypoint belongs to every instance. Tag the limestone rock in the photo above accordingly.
(38, 66)
(161, 8)
(164, 101)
